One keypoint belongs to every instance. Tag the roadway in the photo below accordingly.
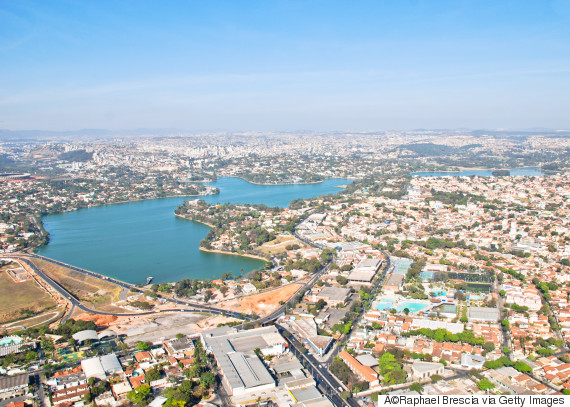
(66, 294)
(320, 372)
(76, 303)
(322, 376)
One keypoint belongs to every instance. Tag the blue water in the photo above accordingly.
(387, 303)
(516, 172)
(383, 304)
(135, 240)
(10, 339)
(412, 306)
(439, 293)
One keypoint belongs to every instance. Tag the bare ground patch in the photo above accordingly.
(93, 292)
(263, 303)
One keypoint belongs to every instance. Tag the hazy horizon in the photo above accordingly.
(284, 66)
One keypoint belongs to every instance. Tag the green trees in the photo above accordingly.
(391, 369)
(139, 394)
(144, 346)
(341, 280)
(442, 335)
(152, 375)
(522, 367)
(485, 384)
(207, 380)
(494, 364)
(416, 387)
(144, 305)
(489, 346)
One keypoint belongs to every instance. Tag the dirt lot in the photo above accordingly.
(152, 329)
(278, 245)
(264, 303)
(16, 298)
(102, 321)
(94, 293)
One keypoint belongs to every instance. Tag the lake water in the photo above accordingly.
(516, 172)
(136, 240)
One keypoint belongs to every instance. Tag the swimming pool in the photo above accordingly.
(412, 306)
(388, 303)
(438, 293)
(10, 339)
(384, 304)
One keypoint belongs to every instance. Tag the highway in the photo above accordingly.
(76, 303)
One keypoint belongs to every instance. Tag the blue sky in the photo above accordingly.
(284, 65)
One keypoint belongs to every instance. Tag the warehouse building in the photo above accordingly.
(234, 351)
(100, 367)
(13, 386)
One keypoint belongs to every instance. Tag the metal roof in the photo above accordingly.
(82, 336)
(333, 293)
(485, 313)
(361, 276)
(93, 368)
(111, 364)
(10, 382)
(251, 370)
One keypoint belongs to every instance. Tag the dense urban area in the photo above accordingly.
(441, 268)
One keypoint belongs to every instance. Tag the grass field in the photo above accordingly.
(93, 292)
(16, 298)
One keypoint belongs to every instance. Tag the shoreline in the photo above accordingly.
(251, 256)
(281, 183)
(40, 218)
(143, 199)
(194, 220)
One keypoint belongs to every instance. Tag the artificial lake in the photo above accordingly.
(135, 240)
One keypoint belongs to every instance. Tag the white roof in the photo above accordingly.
(111, 364)
(85, 335)
(93, 368)
(157, 402)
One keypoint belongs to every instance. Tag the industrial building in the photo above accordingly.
(100, 367)
(331, 295)
(364, 272)
(234, 351)
(13, 386)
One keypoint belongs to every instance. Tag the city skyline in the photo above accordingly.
(288, 66)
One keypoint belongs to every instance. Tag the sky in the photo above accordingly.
(235, 65)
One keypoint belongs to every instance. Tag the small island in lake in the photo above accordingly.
(501, 173)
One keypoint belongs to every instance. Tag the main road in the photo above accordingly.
(74, 301)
